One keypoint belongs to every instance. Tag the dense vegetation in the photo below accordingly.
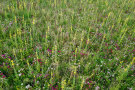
(67, 44)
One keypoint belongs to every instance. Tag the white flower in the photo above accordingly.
(37, 82)
(130, 89)
(19, 70)
(20, 74)
(97, 88)
(28, 86)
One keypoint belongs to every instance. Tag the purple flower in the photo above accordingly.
(10, 23)
(9, 57)
(8, 66)
(3, 55)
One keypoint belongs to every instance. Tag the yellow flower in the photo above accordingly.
(81, 39)
(33, 22)
(18, 32)
(48, 28)
(12, 63)
(28, 63)
(8, 59)
(34, 76)
(82, 83)
(14, 35)
(23, 18)
(132, 61)
(109, 14)
(36, 54)
(20, 50)
(125, 69)
(74, 72)
(104, 36)
(121, 61)
(8, 7)
(55, 47)
(76, 50)
(24, 4)
(63, 83)
(48, 85)
(71, 28)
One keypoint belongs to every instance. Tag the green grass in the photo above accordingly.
(67, 44)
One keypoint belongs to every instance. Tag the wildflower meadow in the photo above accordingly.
(67, 44)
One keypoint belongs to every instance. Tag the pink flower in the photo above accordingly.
(106, 44)
(111, 50)
(72, 52)
(39, 60)
(3, 76)
(99, 34)
(117, 47)
(3, 55)
(82, 54)
(59, 51)
(46, 75)
(53, 88)
(49, 50)
(41, 63)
